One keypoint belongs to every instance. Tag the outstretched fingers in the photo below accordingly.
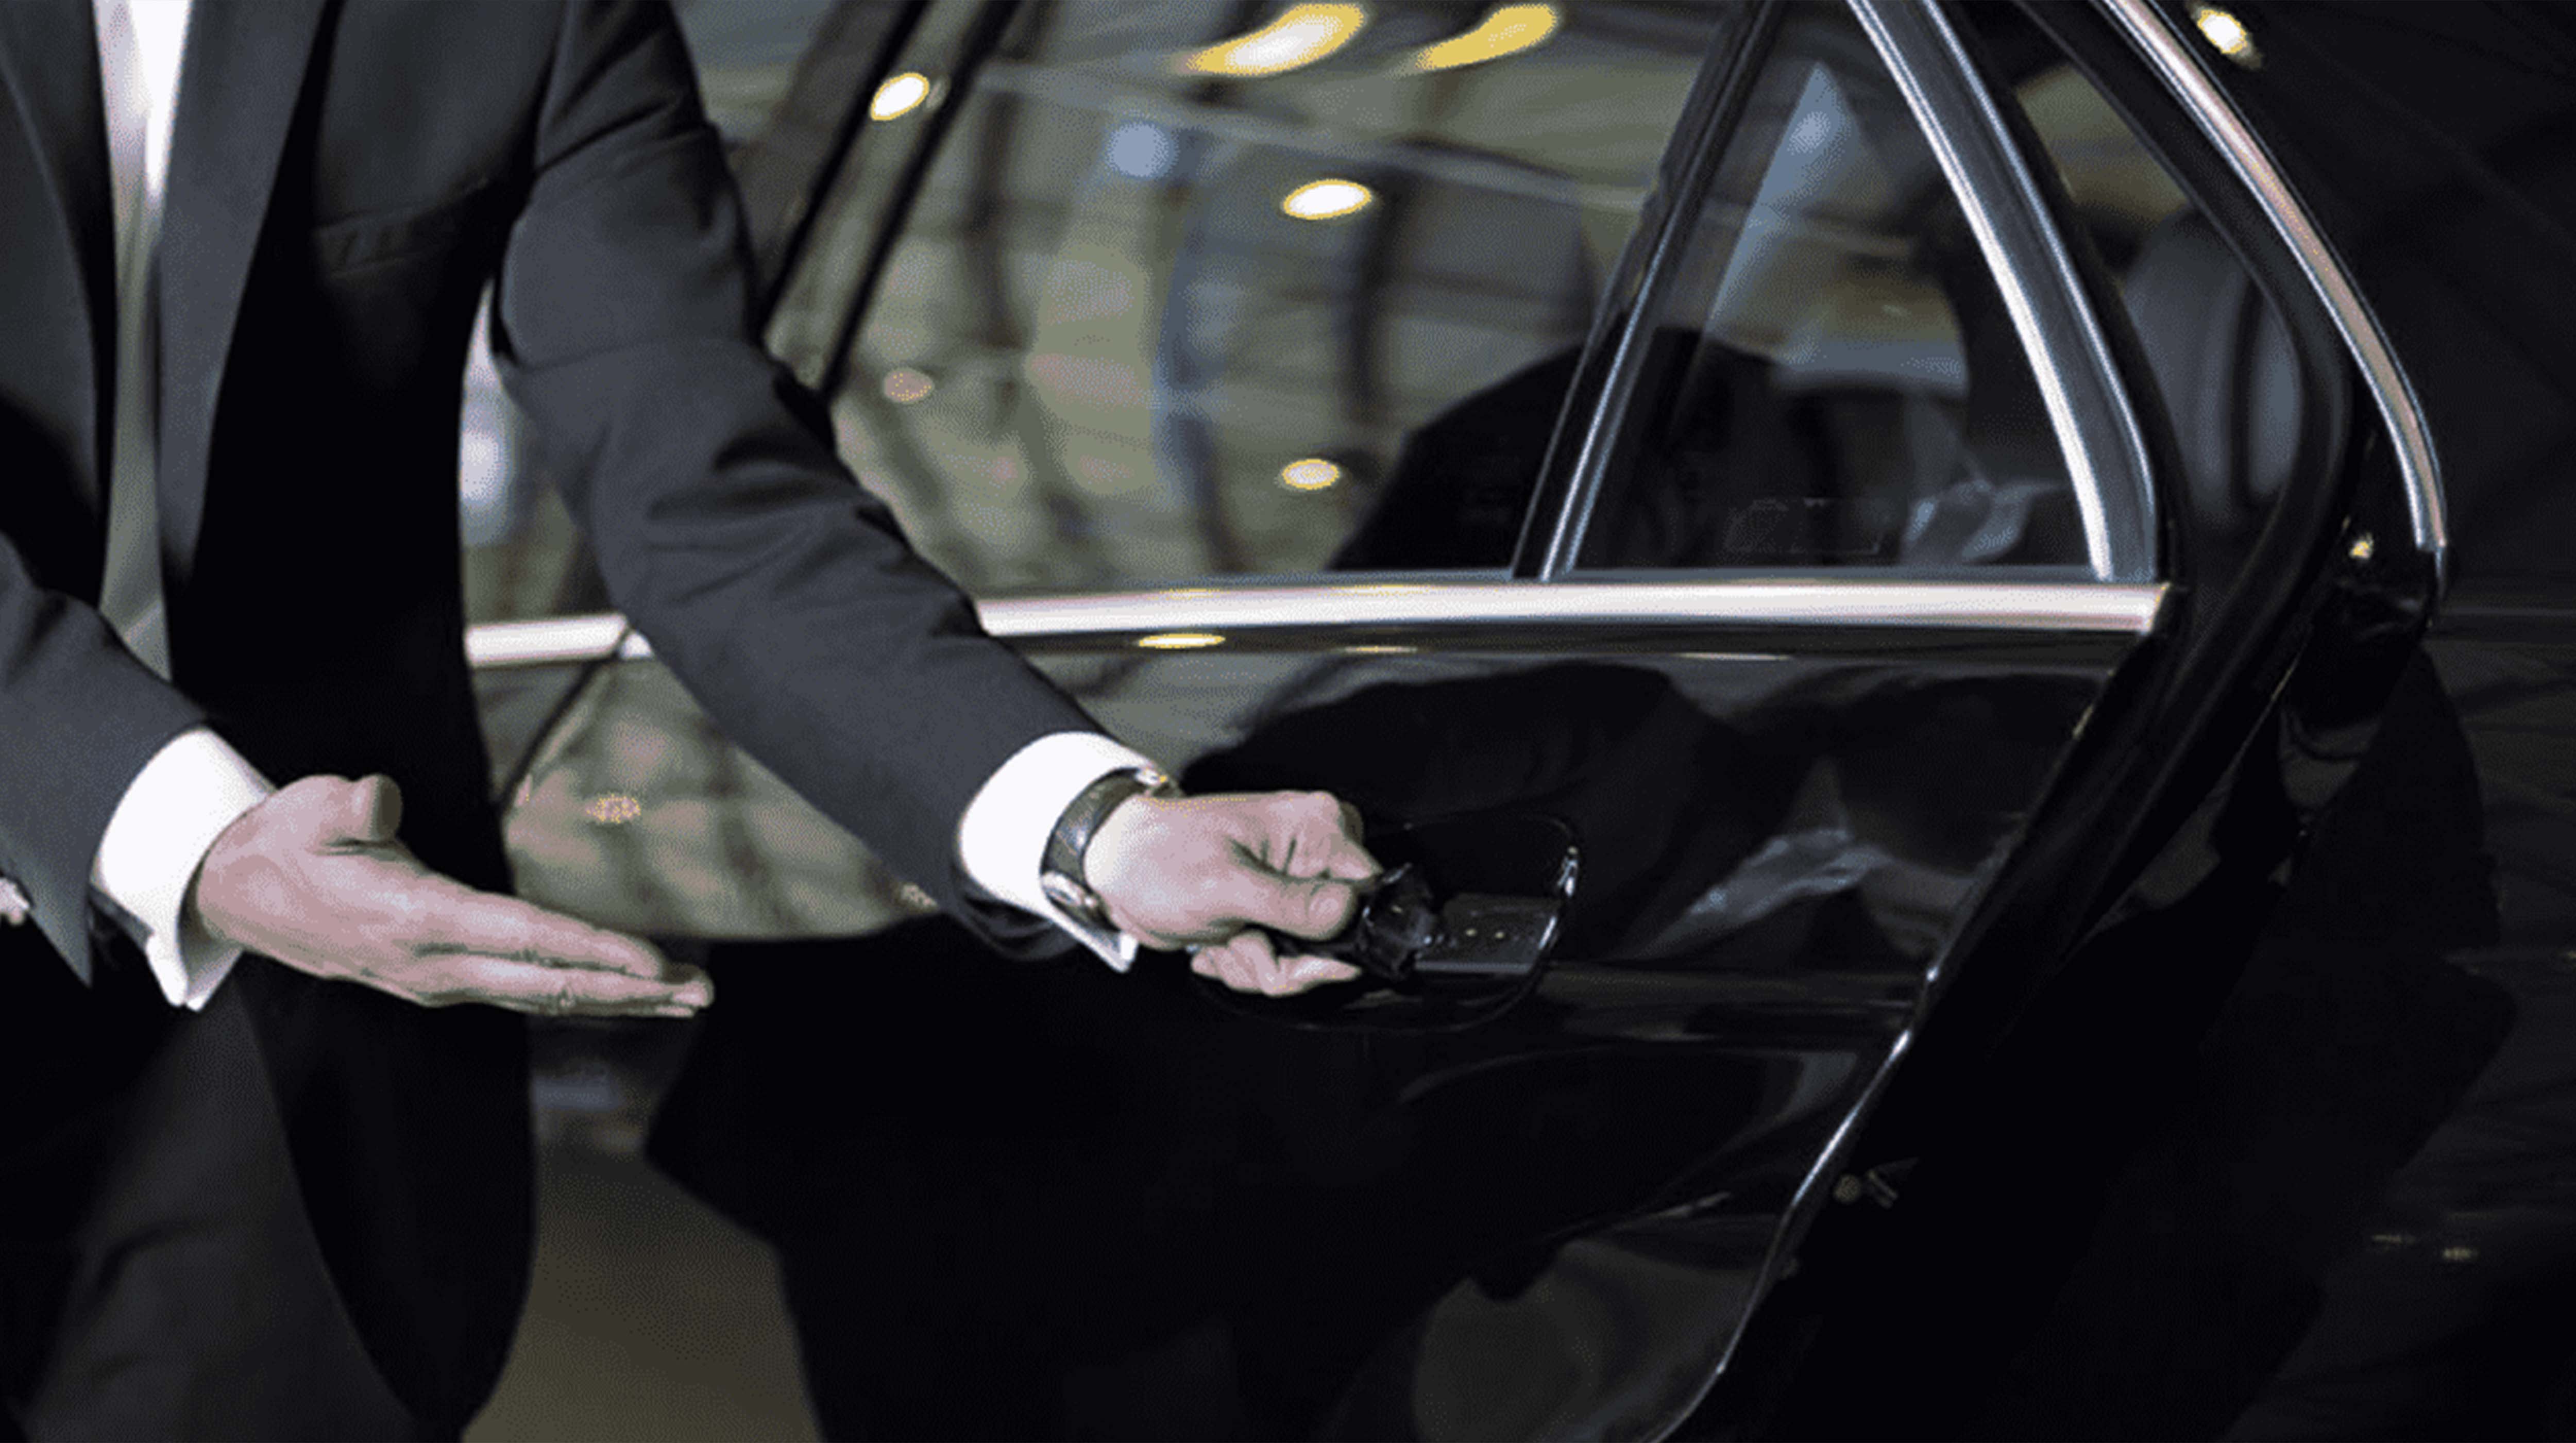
(553, 991)
(542, 961)
(499, 926)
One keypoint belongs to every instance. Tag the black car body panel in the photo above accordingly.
(1775, 853)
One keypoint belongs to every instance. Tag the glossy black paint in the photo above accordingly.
(1775, 852)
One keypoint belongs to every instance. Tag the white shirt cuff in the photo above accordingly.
(172, 811)
(1001, 841)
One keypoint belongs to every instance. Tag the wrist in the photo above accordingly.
(1064, 870)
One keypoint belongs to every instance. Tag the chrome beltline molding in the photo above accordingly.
(2184, 73)
(1204, 616)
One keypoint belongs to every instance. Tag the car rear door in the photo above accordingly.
(1784, 532)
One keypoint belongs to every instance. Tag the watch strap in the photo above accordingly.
(1060, 866)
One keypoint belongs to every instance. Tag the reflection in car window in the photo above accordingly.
(1178, 301)
(1834, 381)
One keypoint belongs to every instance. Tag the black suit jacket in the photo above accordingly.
(345, 177)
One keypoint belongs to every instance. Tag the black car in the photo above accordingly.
(1985, 572)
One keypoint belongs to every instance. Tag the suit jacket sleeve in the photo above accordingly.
(727, 529)
(79, 717)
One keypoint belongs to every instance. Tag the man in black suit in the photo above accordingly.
(300, 1206)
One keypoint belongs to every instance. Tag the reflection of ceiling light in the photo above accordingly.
(1325, 199)
(903, 385)
(2227, 35)
(1313, 473)
(1142, 150)
(899, 94)
(1298, 35)
(612, 809)
(1505, 30)
(1180, 640)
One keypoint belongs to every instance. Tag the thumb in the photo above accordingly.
(369, 810)
(1310, 907)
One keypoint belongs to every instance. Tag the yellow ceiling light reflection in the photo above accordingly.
(1310, 473)
(612, 809)
(2227, 35)
(1325, 199)
(904, 385)
(1298, 35)
(1180, 640)
(1505, 30)
(899, 94)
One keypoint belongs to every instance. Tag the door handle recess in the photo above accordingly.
(1462, 919)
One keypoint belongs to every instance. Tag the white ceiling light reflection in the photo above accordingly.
(1180, 640)
(904, 385)
(1505, 30)
(1142, 150)
(1325, 199)
(1298, 35)
(2227, 35)
(899, 94)
(1310, 473)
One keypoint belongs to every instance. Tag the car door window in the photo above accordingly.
(1191, 292)
(2245, 411)
(1832, 377)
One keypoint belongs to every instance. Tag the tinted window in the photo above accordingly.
(1834, 380)
(2217, 349)
(1152, 321)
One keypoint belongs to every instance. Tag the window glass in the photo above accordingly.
(2217, 349)
(1192, 291)
(1833, 379)
(745, 55)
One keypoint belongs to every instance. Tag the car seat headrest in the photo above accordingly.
(2223, 361)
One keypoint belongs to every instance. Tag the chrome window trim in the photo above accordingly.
(2034, 606)
(497, 645)
(2115, 608)
(2097, 428)
(2190, 81)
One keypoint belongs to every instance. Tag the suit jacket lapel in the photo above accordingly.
(49, 58)
(240, 77)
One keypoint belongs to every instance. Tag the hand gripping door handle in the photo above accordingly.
(1463, 918)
